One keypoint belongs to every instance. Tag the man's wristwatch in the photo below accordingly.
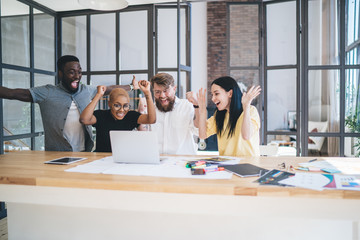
(196, 106)
(131, 87)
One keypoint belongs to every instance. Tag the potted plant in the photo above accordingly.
(353, 123)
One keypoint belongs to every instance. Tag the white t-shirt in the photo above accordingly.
(73, 129)
(176, 130)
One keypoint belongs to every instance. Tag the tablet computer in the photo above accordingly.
(65, 160)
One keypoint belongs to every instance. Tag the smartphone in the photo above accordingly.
(65, 160)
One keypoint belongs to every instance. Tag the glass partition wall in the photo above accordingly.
(352, 79)
(173, 45)
(308, 68)
(282, 74)
(111, 51)
(305, 55)
(317, 79)
(27, 59)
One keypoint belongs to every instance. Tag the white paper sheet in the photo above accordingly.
(307, 180)
(170, 167)
(347, 182)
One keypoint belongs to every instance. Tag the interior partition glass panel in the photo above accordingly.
(244, 36)
(133, 40)
(44, 41)
(167, 38)
(183, 83)
(281, 33)
(17, 145)
(15, 34)
(74, 38)
(281, 100)
(105, 80)
(324, 108)
(103, 42)
(286, 144)
(126, 79)
(323, 32)
(40, 143)
(352, 147)
(16, 114)
(183, 36)
(352, 100)
(324, 100)
(352, 33)
(324, 146)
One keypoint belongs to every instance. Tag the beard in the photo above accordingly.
(67, 85)
(166, 108)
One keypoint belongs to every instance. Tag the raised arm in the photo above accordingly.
(247, 98)
(16, 94)
(190, 97)
(150, 117)
(87, 116)
(201, 114)
(134, 83)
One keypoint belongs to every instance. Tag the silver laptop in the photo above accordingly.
(135, 147)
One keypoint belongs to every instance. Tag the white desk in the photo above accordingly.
(44, 202)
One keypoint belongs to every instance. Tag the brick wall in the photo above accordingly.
(244, 42)
(217, 43)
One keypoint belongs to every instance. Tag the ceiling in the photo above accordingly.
(13, 7)
(70, 5)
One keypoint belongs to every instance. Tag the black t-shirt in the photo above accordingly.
(106, 122)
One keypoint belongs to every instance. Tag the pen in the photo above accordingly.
(214, 169)
(198, 163)
(313, 160)
(199, 166)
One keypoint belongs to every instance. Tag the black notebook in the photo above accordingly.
(245, 170)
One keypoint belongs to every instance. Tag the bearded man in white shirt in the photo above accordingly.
(174, 118)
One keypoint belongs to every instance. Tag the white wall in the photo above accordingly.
(198, 46)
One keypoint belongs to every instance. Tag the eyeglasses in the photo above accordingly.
(117, 107)
(159, 92)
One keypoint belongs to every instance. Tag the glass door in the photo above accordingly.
(282, 76)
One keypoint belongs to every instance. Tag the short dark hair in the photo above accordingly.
(65, 59)
(163, 79)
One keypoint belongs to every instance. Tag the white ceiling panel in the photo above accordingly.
(71, 5)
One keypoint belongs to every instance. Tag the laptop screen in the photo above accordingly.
(135, 147)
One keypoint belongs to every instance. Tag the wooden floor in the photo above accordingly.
(3, 229)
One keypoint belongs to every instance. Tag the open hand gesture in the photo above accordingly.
(201, 96)
(250, 95)
(135, 83)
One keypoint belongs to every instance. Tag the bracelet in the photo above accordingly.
(196, 106)
(131, 87)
